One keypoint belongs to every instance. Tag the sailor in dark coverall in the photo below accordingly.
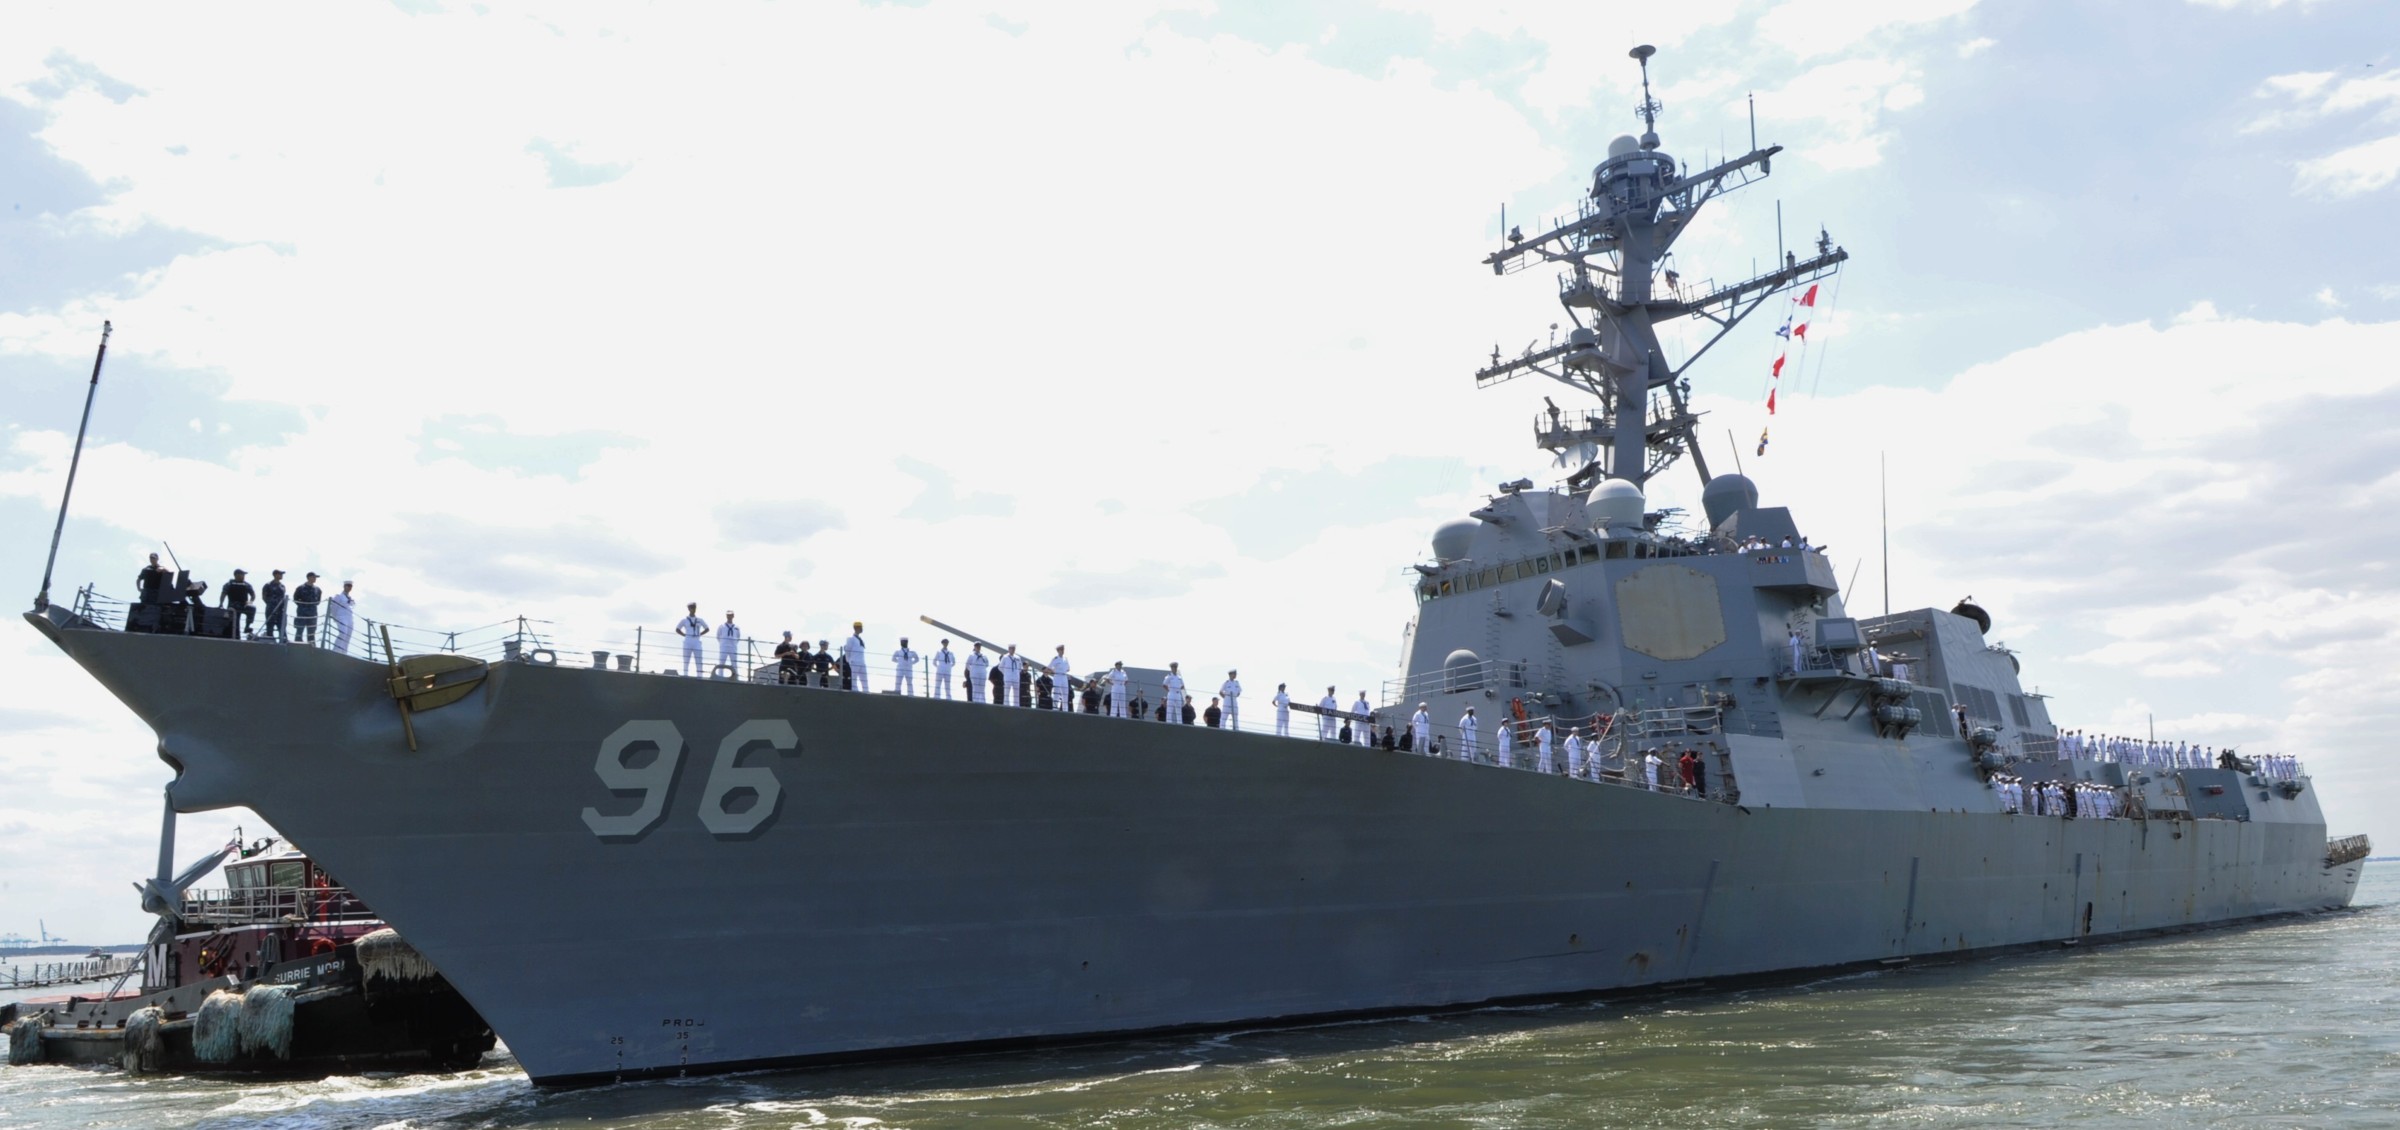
(153, 583)
(237, 595)
(305, 600)
(822, 663)
(276, 601)
(789, 661)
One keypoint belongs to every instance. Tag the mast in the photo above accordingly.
(41, 600)
(1611, 257)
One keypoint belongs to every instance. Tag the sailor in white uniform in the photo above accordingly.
(1650, 764)
(1283, 710)
(1117, 702)
(1365, 724)
(693, 629)
(1575, 765)
(1173, 685)
(942, 662)
(854, 652)
(1504, 752)
(1420, 727)
(337, 618)
(977, 668)
(729, 645)
(1061, 687)
(1325, 721)
(1231, 692)
(1469, 735)
(1011, 669)
(1541, 749)
(1797, 650)
(904, 668)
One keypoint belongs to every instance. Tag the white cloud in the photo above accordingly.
(2358, 169)
(1809, 28)
(2327, 298)
(1844, 105)
(2307, 98)
(1976, 46)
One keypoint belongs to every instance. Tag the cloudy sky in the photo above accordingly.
(1147, 327)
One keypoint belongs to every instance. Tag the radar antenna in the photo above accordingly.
(1649, 108)
(1641, 199)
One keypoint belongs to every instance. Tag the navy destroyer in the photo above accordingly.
(628, 874)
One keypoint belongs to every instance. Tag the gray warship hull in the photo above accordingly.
(927, 874)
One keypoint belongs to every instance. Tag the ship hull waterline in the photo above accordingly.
(943, 875)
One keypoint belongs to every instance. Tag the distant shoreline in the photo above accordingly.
(7, 956)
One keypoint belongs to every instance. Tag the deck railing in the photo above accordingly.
(247, 906)
(44, 974)
(650, 651)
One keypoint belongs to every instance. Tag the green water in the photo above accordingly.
(2296, 1024)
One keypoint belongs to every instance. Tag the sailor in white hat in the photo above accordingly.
(854, 652)
(1174, 689)
(977, 667)
(729, 644)
(942, 662)
(693, 629)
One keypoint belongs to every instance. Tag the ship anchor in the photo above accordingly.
(429, 682)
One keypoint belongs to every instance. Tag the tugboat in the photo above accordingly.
(283, 971)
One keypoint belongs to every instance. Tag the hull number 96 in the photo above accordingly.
(654, 780)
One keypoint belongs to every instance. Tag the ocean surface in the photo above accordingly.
(2293, 1024)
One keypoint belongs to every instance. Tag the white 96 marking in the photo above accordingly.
(657, 779)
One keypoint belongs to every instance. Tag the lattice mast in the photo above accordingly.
(1612, 253)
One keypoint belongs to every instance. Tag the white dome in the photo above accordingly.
(1450, 541)
(1462, 670)
(1623, 145)
(1616, 505)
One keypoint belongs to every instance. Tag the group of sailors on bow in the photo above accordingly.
(305, 605)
